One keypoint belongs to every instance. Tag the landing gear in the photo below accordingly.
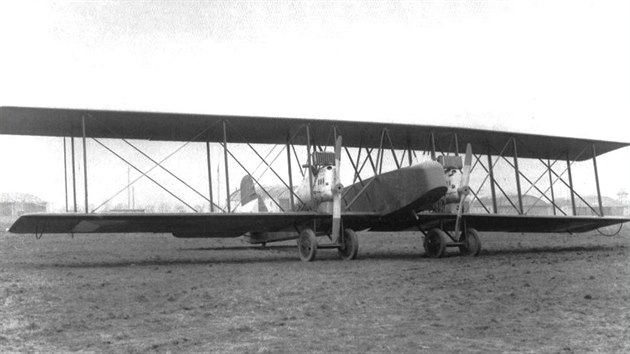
(348, 245)
(470, 243)
(307, 245)
(435, 243)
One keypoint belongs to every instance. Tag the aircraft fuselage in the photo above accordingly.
(395, 194)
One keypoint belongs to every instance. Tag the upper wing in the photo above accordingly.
(181, 224)
(185, 127)
(507, 223)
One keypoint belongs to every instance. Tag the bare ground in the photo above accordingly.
(147, 293)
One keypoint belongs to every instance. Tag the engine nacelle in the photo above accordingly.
(322, 176)
(323, 184)
(452, 174)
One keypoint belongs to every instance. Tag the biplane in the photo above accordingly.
(320, 212)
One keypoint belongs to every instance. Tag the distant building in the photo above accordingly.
(280, 194)
(15, 204)
(540, 206)
(610, 206)
(531, 205)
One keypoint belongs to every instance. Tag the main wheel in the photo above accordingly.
(350, 245)
(435, 243)
(472, 243)
(307, 245)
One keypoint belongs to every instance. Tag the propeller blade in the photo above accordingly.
(337, 188)
(464, 189)
(338, 159)
(467, 164)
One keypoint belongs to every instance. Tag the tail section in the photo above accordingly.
(250, 200)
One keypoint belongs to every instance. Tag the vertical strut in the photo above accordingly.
(553, 197)
(128, 187)
(599, 195)
(391, 145)
(357, 171)
(518, 177)
(292, 200)
(379, 156)
(85, 178)
(492, 190)
(432, 146)
(308, 161)
(209, 177)
(227, 172)
(74, 176)
(457, 147)
(571, 185)
(65, 171)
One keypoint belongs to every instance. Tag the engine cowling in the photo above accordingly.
(323, 184)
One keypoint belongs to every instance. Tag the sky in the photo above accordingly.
(543, 67)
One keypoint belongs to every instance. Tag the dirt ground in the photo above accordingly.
(156, 293)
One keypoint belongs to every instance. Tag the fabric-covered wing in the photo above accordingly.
(183, 127)
(524, 223)
(203, 225)
(180, 224)
(516, 223)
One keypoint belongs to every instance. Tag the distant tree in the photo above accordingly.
(149, 208)
(163, 208)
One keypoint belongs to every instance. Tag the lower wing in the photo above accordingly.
(182, 224)
(506, 223)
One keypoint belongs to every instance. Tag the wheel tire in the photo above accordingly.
(435, 243)
(350, 245)
(472, 245)
(307, 245)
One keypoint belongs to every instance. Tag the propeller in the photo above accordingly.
(337, 189)
(463, 189)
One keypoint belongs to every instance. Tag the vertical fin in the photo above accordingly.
(249, 195)
(248, 191)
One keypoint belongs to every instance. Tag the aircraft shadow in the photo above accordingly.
(239, 248)
(452, 253)
(324, 257)
(549, 250)
(174, 262)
